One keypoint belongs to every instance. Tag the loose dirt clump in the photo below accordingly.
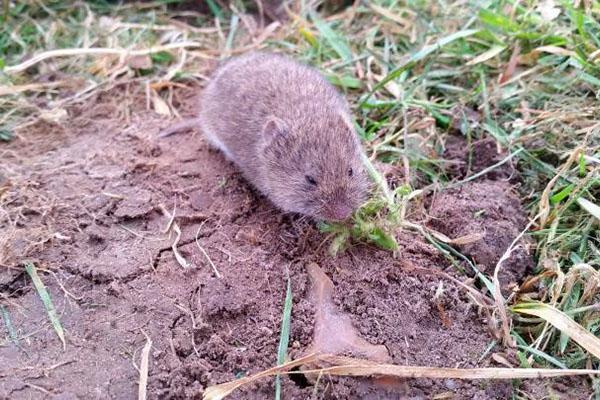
(90, 202)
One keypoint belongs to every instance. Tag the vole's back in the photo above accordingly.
(245, 91)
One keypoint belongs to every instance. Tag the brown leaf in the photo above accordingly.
(512, 65)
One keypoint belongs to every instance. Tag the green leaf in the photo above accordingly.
(215, 9)
(2, 63)
(345, 81)
(46, 300)
(523, 360)
(382, 239)
(498, 21)
(162, 57)
(560, 196)
(582, 164)
(331, 227)
(284, 338)
(6, 135)
(403, 190)
(572, 299)
(336, 41)
(309, 37)
(339, 242)
(592, 80)
(372, 207)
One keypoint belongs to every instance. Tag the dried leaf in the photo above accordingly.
(160, 106)
(559, 51)
(512, 65)
(483, 57)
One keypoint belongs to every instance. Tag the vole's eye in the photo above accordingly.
(311, 180)
(350, 172)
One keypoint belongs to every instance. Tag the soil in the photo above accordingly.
(88, 200)
(491, 212)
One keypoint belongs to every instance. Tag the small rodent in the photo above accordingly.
(289, 131)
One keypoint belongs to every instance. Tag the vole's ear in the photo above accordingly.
(273, 129)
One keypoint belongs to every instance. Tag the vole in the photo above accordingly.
(288, 130)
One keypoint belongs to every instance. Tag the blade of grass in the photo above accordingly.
(47, 301)
(284, 338)
(215, 9)
(563, 323)
(542, 355)
(9, 326)
(235, 19)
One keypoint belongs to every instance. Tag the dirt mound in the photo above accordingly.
(491, 210)
(88, 202)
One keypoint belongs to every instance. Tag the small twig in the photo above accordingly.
(206, 254)
(173, 225)
(71, 295)
(171, 219)
(194, 327)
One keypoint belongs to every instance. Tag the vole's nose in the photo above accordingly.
(339, 212)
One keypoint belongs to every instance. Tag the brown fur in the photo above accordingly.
(281, 122)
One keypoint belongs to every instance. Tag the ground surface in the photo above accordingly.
(84, 203)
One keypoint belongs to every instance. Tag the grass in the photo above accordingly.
(525, 74)
(46, 301)
(284, 337)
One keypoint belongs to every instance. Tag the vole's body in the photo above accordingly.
(289, 131)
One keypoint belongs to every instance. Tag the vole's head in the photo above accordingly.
(315, 167)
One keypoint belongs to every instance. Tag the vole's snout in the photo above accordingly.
(338, 211)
